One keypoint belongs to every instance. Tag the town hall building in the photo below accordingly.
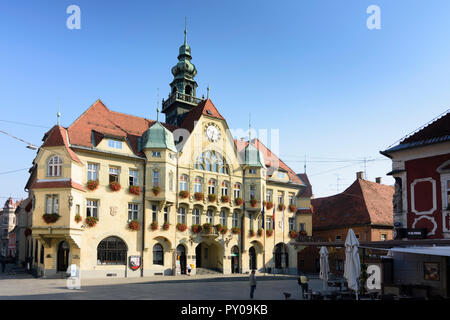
(125, 196)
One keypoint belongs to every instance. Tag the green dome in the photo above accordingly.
(157, 137)
(253, 157)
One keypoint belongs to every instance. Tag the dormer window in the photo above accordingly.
(281, 175)
(156, 154)
(54, 167)
(115, 144)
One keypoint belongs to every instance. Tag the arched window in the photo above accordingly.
(235, 220)
(181, 216)
(188, 90)
(225, 186)
(54, 167)
(210, 217)
(237, 190)
(211, 186)
(198, 184)
(184, 179)
(112, 250)
(158, 254)
(212, 161)
(223, 218)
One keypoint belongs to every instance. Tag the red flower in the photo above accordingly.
(91, 221)
(115, 186)
(134, 225)
(251, 232)
(269, 205)
(135, 190)
(293, 234)
(269, 232)
(235, 230)
(92, 184)
(238, 201)
(260, 232)
(51, 217)
(281, 207)
(225, 199)
(292, 208)
(78, 218)
(253, 203)
(198, 196)
(166, 226)
(181, 227)
(211, 197)
(196, 228)
(154, 225)
(184, 194)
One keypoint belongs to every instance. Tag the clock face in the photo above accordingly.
(212, 133)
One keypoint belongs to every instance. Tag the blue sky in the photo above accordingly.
(335, 89)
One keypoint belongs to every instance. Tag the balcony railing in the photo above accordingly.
(178, 96)
(209, 233)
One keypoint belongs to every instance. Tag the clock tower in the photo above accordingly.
(183, 87)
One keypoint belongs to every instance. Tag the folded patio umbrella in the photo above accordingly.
(352, 268)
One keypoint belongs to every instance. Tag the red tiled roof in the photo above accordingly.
(101, 121)
(271, 160)
(57, 136)
(206, 108)
(362, 203)
(57, 184)
(307, 192)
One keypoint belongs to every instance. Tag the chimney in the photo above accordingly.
(360, 175)
(378, 180)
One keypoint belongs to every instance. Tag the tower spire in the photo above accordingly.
(58, 114)
(185, 30)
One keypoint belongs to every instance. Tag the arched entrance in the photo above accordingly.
(181, 256)
(235, 259)
(252, 257)
(281, 256)
(198, 256)
(63, 256)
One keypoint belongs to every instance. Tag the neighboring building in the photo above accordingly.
(23, 231)
(7, 224)
(164, 178)
(365, 207)
(421, 169)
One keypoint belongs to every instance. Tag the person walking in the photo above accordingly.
(252, 281)
(304, 284)
(189, 268)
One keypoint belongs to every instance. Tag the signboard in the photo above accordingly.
(373, 282)
(416, 233)
(135, 262)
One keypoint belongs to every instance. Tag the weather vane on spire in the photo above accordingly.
(58, 114)
(185, 30)
(157, 108)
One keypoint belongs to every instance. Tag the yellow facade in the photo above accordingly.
(216, 249)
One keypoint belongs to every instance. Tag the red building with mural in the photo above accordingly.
(421, 169)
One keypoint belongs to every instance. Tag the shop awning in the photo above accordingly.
(434, 251)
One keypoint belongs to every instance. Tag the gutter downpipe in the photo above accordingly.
(143, 219)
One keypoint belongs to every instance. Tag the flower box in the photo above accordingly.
(27, 232)
(211, 197)
(303, 233)
(51, 217)
(260, 232)
(196, 228)
(154, 225)
(181, 227)
(91, 221)
(292, 208)
(78, 218)
(207, 227)
(269, 232)
(166, 226)
(135, 190)
(156, 190)
(238, 201)
(198, 196)
(223, 230)
(92, 184)
(134, 225)
(115, 186)
(253, 203)
(269, 205)
(235, 230)
(183, 194)
(293, 234)
(281, 206)
(251, 233)
(225, 199)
